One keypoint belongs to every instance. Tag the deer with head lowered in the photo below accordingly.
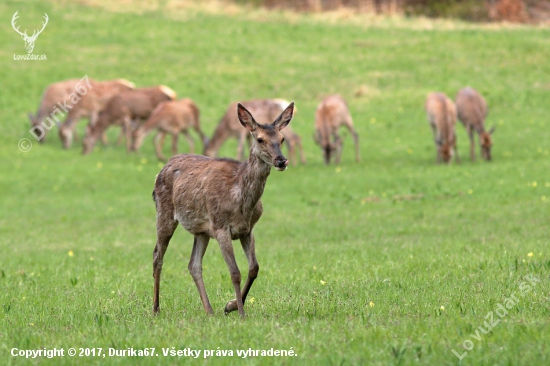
(472, 111)
(441, 113)
(29, 40)
(171, 117)
(332, 113)
(220, 199)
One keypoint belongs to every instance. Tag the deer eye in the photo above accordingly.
(260, 140)
(283, 140)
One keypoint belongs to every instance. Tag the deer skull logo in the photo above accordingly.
(29, 40)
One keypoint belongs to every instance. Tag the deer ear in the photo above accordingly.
(284, 119)
(246, 118)
(492, 130)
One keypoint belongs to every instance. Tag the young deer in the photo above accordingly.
(332, 113)
(265, 111)
(220, 199)
(54, 93)
(472, 111)
(173, 117)
(442, 118)
(89, 107)
(125, 107)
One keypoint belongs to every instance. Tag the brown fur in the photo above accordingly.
(172, 117)
(122, 109)
(472, 111)
(264, 111)
(441, 113)
(54, 93)
(331, 114)
(89, 107)
(220, 199)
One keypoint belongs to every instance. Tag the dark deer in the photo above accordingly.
(265, 111)
(472, 111)
(442, 118)
(220, 199)
(331, 114)
(173, 117)
(90, 106)
(29, 40)
(124, 108)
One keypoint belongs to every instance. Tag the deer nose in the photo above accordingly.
(281, 162)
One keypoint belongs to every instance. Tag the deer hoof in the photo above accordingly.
(230, 306)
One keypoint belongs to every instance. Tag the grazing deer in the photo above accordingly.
(125, 107)
(472, 111)
(220, 199)
(331, 114)
(173, 117)
(90, 106)
(265, 111)
(55, 93)
(29, 40)
(442, 118)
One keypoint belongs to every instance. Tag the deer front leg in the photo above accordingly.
(165, 229)
(247, 242)
(455, 148)
(189, 141)
(226, 247)
(127, 132)
(158, 142)
(195, 268)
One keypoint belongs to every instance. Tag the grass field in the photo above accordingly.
(393, 260)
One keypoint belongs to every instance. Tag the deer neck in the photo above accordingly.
(252, 178)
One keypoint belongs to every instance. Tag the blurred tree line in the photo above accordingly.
(473, 10)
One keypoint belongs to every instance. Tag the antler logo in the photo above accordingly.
(29, 40)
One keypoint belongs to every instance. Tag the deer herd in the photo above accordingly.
(139, 111)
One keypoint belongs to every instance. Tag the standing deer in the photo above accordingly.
(90, 106)
(173, 117)
(55, 93)
(265, 111)
(331, 114)
(220, 199)
(125, 107)
(472, 111)
(29, 41)
(442, 118)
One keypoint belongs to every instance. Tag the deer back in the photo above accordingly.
(471, 108)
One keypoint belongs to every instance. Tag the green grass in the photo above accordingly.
(350, 272)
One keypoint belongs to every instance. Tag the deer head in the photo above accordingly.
(267, 139)
(29, 40)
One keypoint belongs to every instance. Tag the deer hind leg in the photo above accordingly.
(127, 132)
(472, 143)
(226, 247)
(247, 242)
(301, 150)
(189, 141)
(339, 144)
(195, 268)
(349, 125)
(166, 225)
(158, 142)
(240, 148)
(292, 150)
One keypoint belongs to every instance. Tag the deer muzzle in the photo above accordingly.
(280, 163)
